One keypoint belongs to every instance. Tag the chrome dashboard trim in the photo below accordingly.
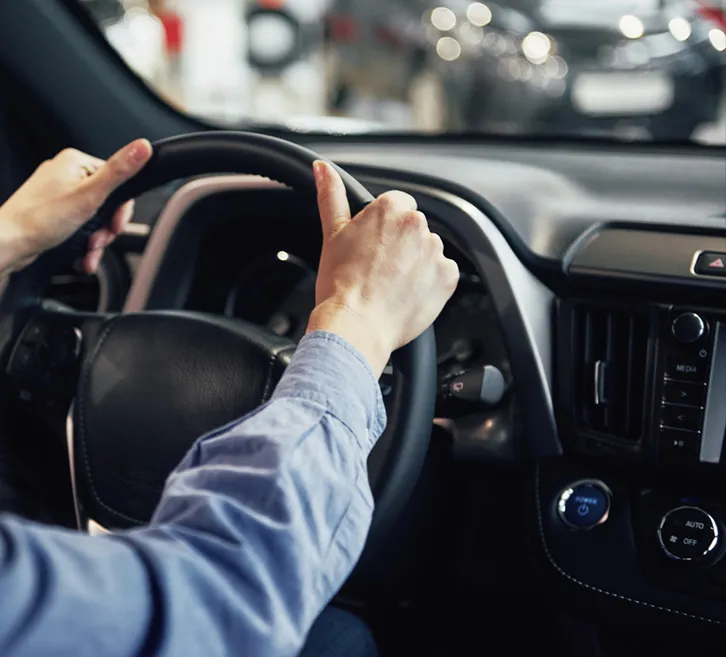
(70, 446)
(177, 206)
(714, 424)
(536, 317)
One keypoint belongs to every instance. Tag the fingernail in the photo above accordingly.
(138, 153)
(319, 171)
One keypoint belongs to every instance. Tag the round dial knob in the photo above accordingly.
(584, 504)
(688, 533)
(688, 328)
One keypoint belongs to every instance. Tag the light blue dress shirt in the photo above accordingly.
(255, 532)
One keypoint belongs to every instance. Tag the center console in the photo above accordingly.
(635, 515)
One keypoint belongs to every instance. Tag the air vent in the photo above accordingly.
(610, 365)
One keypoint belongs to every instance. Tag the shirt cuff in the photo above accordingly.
(329, 371)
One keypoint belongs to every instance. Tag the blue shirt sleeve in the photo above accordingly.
(255, 532)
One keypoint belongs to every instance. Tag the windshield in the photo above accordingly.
(622, 69)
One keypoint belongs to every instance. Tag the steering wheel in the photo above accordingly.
(143, 387)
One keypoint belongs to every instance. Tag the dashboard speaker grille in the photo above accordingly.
(610, 363)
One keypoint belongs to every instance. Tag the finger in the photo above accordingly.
(438, 244)
(101, 239)
(332, 198)
(121, 166)
(91, 261)
(397, 200)
(122, 217)
(450, 275)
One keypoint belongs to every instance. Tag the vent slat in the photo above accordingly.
(631, 360)
(611, 348)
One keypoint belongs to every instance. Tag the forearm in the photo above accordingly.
(255, 532)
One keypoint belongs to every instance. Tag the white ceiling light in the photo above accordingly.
(478, 14)
(718, 39)
(448, 49)
(631, 26)
(680, 28)
(442, 18)
(536, 47)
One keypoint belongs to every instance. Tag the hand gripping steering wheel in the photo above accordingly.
(144, 386)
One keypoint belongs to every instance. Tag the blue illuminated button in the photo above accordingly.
(584, 504)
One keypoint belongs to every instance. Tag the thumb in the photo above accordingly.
(120, 167)
(332, 198)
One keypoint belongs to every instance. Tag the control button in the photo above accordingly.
(687, 394)
(681, 417)
(23, 362)
(688, 328)
(688, 533)
(686, 368)
(678, 447)
(584, 504)
(33, 332)
(59, 348)
(711, 263)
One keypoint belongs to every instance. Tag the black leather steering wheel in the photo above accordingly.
(144, 386)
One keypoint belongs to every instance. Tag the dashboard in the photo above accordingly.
(600, 314)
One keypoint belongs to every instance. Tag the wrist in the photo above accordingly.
(339, 319)
(13, 248)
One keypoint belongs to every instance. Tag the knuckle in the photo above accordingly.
(386, 202)
(450, 274)
(415, 220)
(437, 242)
(69, 154)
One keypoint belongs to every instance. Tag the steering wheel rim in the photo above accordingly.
(399, 464)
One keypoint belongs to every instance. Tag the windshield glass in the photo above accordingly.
(623, 69)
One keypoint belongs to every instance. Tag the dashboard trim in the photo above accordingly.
(525, 316)
(714, 423)
(646, 255)
(169, 220)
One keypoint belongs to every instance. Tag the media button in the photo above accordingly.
(686, 368)
(681, 417)
(686, 394)
(678, 447)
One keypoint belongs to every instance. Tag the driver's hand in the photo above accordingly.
(383, 277)
(62, 195)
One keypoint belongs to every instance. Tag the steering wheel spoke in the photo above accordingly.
(44, 360)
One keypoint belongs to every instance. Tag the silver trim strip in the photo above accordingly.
(136, 229)
(94, 529)
(542, 340)
(90, 526)
(177, 206)
(70, 446)
(599, 375)
(714, 424)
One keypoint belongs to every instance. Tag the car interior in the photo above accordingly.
(552, 475)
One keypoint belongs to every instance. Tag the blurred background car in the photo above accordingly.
(631, 67)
